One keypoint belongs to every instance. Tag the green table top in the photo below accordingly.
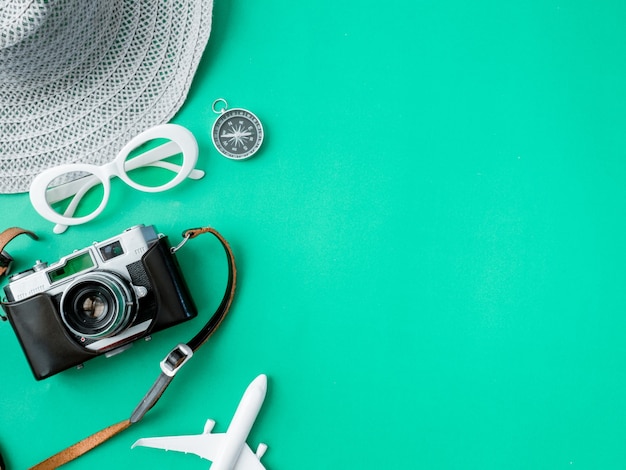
(430, 246)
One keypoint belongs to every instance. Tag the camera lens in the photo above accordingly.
(98, 305)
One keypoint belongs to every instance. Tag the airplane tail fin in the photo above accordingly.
(208, 427)
(260, 450)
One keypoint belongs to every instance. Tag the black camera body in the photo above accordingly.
(97, 300)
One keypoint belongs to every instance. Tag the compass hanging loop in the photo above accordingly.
(220, 105)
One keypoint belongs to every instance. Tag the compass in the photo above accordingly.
(237, 133)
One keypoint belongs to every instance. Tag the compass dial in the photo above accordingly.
(237, 134)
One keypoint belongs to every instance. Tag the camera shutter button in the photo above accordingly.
(40, 265)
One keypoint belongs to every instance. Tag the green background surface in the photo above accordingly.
(430, 246)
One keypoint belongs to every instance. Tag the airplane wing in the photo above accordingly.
(206, 446)
(248, 460)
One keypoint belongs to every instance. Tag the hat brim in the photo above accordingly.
(135, 73)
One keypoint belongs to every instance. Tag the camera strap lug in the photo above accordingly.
(174, 249)
(188, 235)
(176, 359)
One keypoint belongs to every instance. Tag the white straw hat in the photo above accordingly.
(80, 78)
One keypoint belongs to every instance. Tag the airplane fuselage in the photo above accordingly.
(241, 424)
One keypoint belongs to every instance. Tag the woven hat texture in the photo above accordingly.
(80, 78)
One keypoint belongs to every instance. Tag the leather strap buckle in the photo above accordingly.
(176, 359)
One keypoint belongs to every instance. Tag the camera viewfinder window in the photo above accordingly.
(72, 266)
(111, 250)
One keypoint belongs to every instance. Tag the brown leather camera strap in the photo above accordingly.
(169, 366)
(5, 237)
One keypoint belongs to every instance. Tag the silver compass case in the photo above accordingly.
(237, 133)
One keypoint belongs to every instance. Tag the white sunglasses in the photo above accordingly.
(75, 180)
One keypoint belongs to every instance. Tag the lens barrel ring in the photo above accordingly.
(97, 305)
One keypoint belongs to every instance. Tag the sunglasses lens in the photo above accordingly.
(75, 195)
(154, 164)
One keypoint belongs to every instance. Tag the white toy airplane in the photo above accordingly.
(227, 451)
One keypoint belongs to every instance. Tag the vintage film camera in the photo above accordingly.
(97, 300)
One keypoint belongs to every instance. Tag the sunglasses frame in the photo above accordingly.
(181, 140)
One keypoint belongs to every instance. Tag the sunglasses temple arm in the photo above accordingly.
(152, 157)
(155, 156)
(194, 175)
(71, 208)
(65, 190)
